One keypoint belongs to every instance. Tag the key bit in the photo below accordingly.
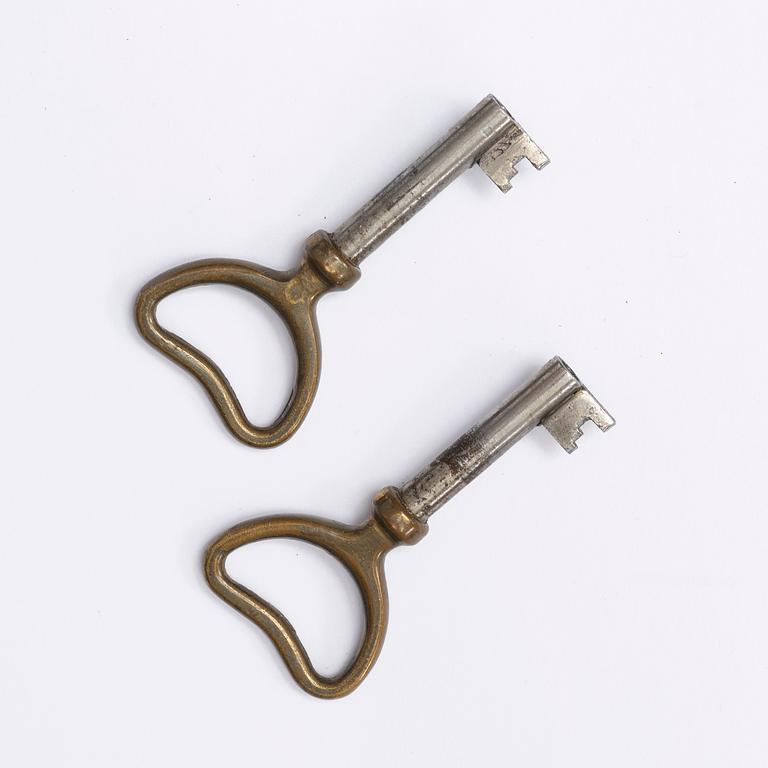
(564, 424)
(554, 396)
(500, 161)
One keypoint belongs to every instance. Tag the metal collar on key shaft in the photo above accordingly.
(488, 135)
(555, 398)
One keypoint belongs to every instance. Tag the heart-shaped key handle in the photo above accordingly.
(361, 550)
(293, 295)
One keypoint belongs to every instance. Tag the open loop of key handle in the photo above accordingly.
(555, 397)
(293, 295)
(361, 550)
(487, 136)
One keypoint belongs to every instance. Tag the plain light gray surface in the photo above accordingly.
(134, 136)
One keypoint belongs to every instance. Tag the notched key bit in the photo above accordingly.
(564, 423)
(500, 161)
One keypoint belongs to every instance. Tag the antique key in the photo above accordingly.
(554, 397)
(488, 135)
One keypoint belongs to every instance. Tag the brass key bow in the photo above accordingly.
(292, 295)
(555, 398)
(488, 135)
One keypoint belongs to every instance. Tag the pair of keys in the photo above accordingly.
(555, 397)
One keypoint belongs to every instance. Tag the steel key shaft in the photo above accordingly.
(537, 402)
(488, 135)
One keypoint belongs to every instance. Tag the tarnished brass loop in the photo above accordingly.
(293, 295)
(361, 550)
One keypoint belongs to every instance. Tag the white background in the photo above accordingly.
(608, 608)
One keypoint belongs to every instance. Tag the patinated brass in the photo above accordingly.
(293, 295)
(361, 550)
